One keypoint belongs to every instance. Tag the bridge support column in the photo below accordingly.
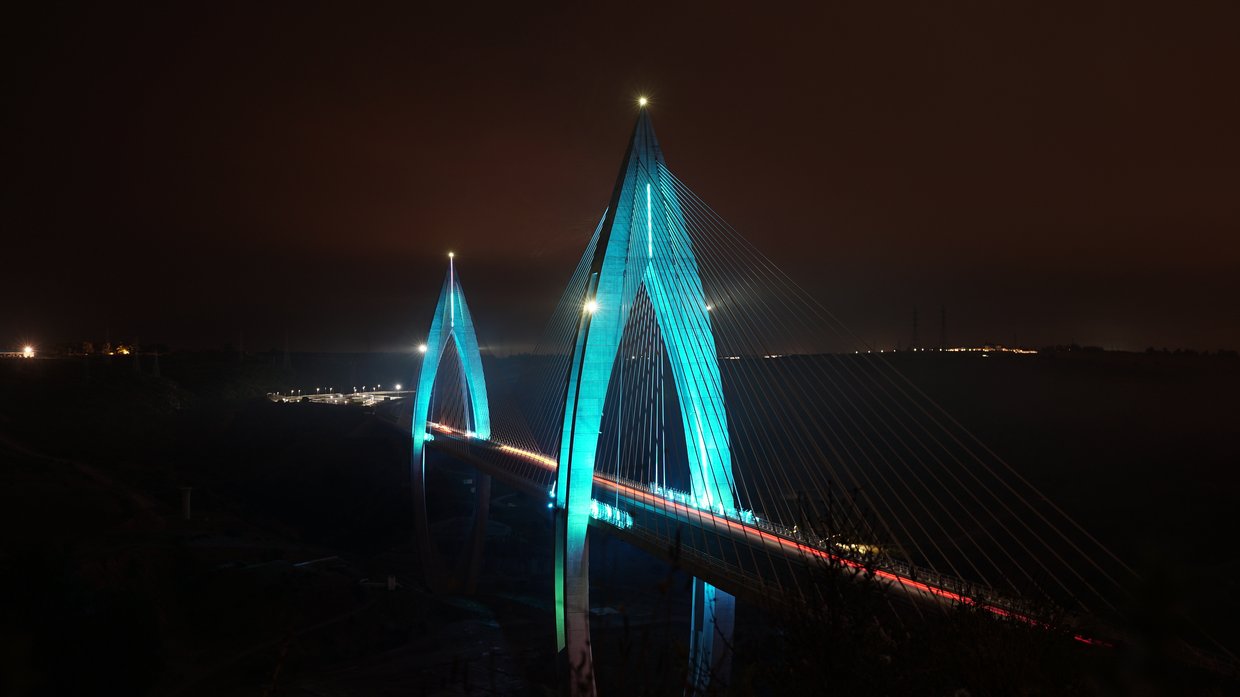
(710, 640)
(471, 560)
(436, 573)
(572, 594)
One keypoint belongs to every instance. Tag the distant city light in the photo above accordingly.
(988, 348)
(421, 348)
(592, 306)
(398, 387)
(451, 254)
(27, 352)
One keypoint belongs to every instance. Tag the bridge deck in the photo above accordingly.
(759, 561)
(764, 562)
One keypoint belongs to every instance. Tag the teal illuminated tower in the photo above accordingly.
(452, 322)
(643, 242)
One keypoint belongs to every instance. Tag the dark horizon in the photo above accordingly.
(1047, 177)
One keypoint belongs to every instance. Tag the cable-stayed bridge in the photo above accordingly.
(688, 395)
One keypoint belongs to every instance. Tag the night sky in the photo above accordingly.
(1047, 173)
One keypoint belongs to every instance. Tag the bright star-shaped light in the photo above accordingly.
(421, 348)
(642, 101)
(592, 306)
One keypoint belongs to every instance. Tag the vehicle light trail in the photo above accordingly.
(770, 539)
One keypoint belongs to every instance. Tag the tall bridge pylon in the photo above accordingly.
(643, 243)
(452, 322)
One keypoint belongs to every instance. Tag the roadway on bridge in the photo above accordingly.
(721, 549)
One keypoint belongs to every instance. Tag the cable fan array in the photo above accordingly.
(831, 446)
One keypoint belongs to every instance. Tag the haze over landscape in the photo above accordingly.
(1049, 175)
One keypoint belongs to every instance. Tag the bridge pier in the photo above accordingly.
(471, 562)
(436, 573)
(575, 660)
(712, 622)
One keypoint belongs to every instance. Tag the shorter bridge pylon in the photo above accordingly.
(452, 322)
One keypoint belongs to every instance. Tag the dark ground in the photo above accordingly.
(299, 509)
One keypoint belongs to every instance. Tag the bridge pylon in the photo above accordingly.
(643, 242)
(452, 322)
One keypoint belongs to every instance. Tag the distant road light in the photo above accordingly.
(398, 387)
(27, 352)
(421, 348)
